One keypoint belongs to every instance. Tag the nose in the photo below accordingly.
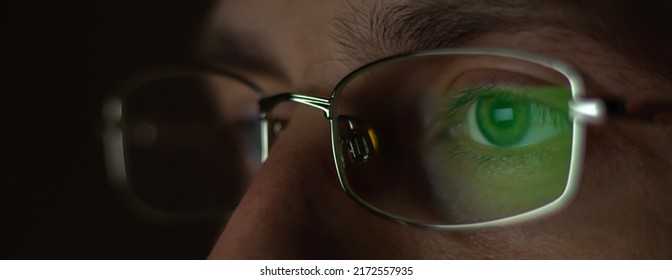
(282, 215)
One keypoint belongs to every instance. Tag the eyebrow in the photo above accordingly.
(386, 30)
(369, 34)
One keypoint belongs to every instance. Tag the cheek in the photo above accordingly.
(618, 208)
(620, 212)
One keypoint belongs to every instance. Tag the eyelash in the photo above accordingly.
(459, 103)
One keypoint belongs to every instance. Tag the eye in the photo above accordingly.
(501, 148)
(460, 138)
(503, 118)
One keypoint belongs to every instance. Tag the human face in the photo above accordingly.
(294, 208)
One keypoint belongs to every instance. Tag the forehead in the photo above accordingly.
(231, 12)
(285, 39)
(279, 31)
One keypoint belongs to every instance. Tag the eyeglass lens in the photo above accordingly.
(454, 139)
(191, 142)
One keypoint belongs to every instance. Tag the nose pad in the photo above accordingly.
(360, 148)
(275, 126)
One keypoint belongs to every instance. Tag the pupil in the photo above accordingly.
(502, 121)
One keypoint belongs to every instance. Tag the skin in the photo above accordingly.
(295, 208)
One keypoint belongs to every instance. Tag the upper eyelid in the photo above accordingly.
(468, 96)
(657, 112)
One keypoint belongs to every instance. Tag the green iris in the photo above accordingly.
(502, 120)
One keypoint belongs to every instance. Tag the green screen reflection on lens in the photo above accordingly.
(504, 151)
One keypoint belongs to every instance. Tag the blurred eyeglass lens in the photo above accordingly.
(191, 142)
(455, 139)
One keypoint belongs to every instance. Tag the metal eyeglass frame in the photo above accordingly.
(582, 111)
(115, 140)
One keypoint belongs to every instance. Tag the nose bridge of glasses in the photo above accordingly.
(270, 128)
(268, 103)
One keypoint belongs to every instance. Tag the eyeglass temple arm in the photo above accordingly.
(655, 112)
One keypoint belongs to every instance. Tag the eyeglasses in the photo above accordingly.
(446, 139)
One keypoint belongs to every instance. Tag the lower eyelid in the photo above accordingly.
(499, 162)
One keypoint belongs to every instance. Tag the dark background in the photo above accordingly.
(59, 59)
